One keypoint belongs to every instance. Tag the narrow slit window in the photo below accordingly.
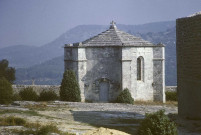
(140, 68)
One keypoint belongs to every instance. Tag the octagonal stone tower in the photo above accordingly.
(113, 60)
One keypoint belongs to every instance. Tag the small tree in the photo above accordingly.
(6, 91)
(69, 89)
(125, 97)
(7, 72)
(157, 124)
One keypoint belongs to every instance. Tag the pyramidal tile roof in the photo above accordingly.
(113, 37)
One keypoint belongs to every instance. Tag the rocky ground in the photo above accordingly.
(82, 117)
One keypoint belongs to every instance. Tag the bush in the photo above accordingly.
(44, 130)
(157, 124)
(6, 91)
(17, 97)
(48, 96)
(171, 95)
(28, 94)
(125, 97)
(69, 89)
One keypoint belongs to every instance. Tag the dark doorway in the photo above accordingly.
(103, 91)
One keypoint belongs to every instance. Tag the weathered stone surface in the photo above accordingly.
(111, 57)
(189, 66)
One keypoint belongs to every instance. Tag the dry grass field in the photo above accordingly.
(79, 118)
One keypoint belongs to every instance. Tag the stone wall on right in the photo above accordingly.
(188, 32)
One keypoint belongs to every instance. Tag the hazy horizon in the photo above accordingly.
(37, 22)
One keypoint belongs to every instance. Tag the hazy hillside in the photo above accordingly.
(45, 63)
(25, 56)
(19, 55)
(51, 71)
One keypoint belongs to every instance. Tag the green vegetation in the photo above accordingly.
(16, 97)
(157, 124)
(43, 130)
(12, 121)
(171, 95)
(6, 91)
(30, 113)
(7, 72)
(40, 130)
(69, 89)
(48, 96)
(28, 94)
(33, 128)
(125, 97)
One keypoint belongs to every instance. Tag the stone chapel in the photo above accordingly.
(113, 60)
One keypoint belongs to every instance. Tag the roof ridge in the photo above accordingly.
(114, 37)
(118, 35)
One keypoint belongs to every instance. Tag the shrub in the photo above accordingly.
(171, 95)
(28, 94)
(6, 91)
(157, 124)
(69, 89)
(44, 130)
(125, 97)
(16, 97)
(48, 96)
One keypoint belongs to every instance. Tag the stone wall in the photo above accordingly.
(189, 66)
(140, 89)
(37, 88)
(94, 65)
(117, 66)
(103, 67)
(159, 73)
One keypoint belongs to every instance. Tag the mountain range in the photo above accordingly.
(45, 64)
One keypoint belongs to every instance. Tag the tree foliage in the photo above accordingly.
(28, 94)
(49, 95)
(171, 95)
(157, 124)
(7, 72)
(125, 97)
(6, 91)
(69, 89)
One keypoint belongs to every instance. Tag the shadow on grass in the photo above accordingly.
(124, 121)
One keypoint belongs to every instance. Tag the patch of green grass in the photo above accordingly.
(29, 113)
(167, 103)
(33, 128)
(32, 113)
(40, 106)
(12, 121)
(42, 130)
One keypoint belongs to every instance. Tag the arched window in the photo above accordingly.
(140, 68)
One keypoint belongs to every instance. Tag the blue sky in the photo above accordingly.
(37, 22)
